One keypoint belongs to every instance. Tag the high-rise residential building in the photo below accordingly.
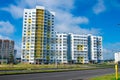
(38, 37)
(6, 50)
(78, 48)
(61, 55)
(95, 48)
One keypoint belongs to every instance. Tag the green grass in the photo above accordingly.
(30, 71)
(32, 68)
(105, 77)
(61, 66)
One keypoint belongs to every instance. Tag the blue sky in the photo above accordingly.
(97, 17)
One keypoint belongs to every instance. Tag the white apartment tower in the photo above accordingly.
(78, 48)
(61, 48)
(38, 39)
(95, 48)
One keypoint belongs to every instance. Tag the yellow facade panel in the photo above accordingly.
(29, 20)
(39, 32)
(80, 47)
(80, 59)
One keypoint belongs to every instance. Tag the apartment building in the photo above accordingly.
(61, 48)
(38, 37)
(78, 48)
(95, 48)
(6, 50)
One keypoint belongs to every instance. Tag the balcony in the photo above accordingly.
(40, 30)
(40, 18)
(29, 20)
(38, 49)
(39, 24)
(38, 56)
(40, 12)
(27, 56)
(40, 15)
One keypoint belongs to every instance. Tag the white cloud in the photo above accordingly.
(16, 12)
(99, 7)
(4, 37)
(114, 46)
(65, 20)
(57, 4)
(110, 49)
(108, 54)
(6, 27)
(106, 51)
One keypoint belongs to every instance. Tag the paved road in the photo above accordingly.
(70, 75)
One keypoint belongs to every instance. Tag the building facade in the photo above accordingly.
(78, 48)
(6, 50)
(95, 48)
(38, 37)
(61, 48)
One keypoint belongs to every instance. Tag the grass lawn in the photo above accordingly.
(105, 77)
(28, 68)
(61, 66)
(65, 66)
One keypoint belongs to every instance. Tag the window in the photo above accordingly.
(24, 30)
(33, 15)
(25, 25)
(33, 18)
(33, 12)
